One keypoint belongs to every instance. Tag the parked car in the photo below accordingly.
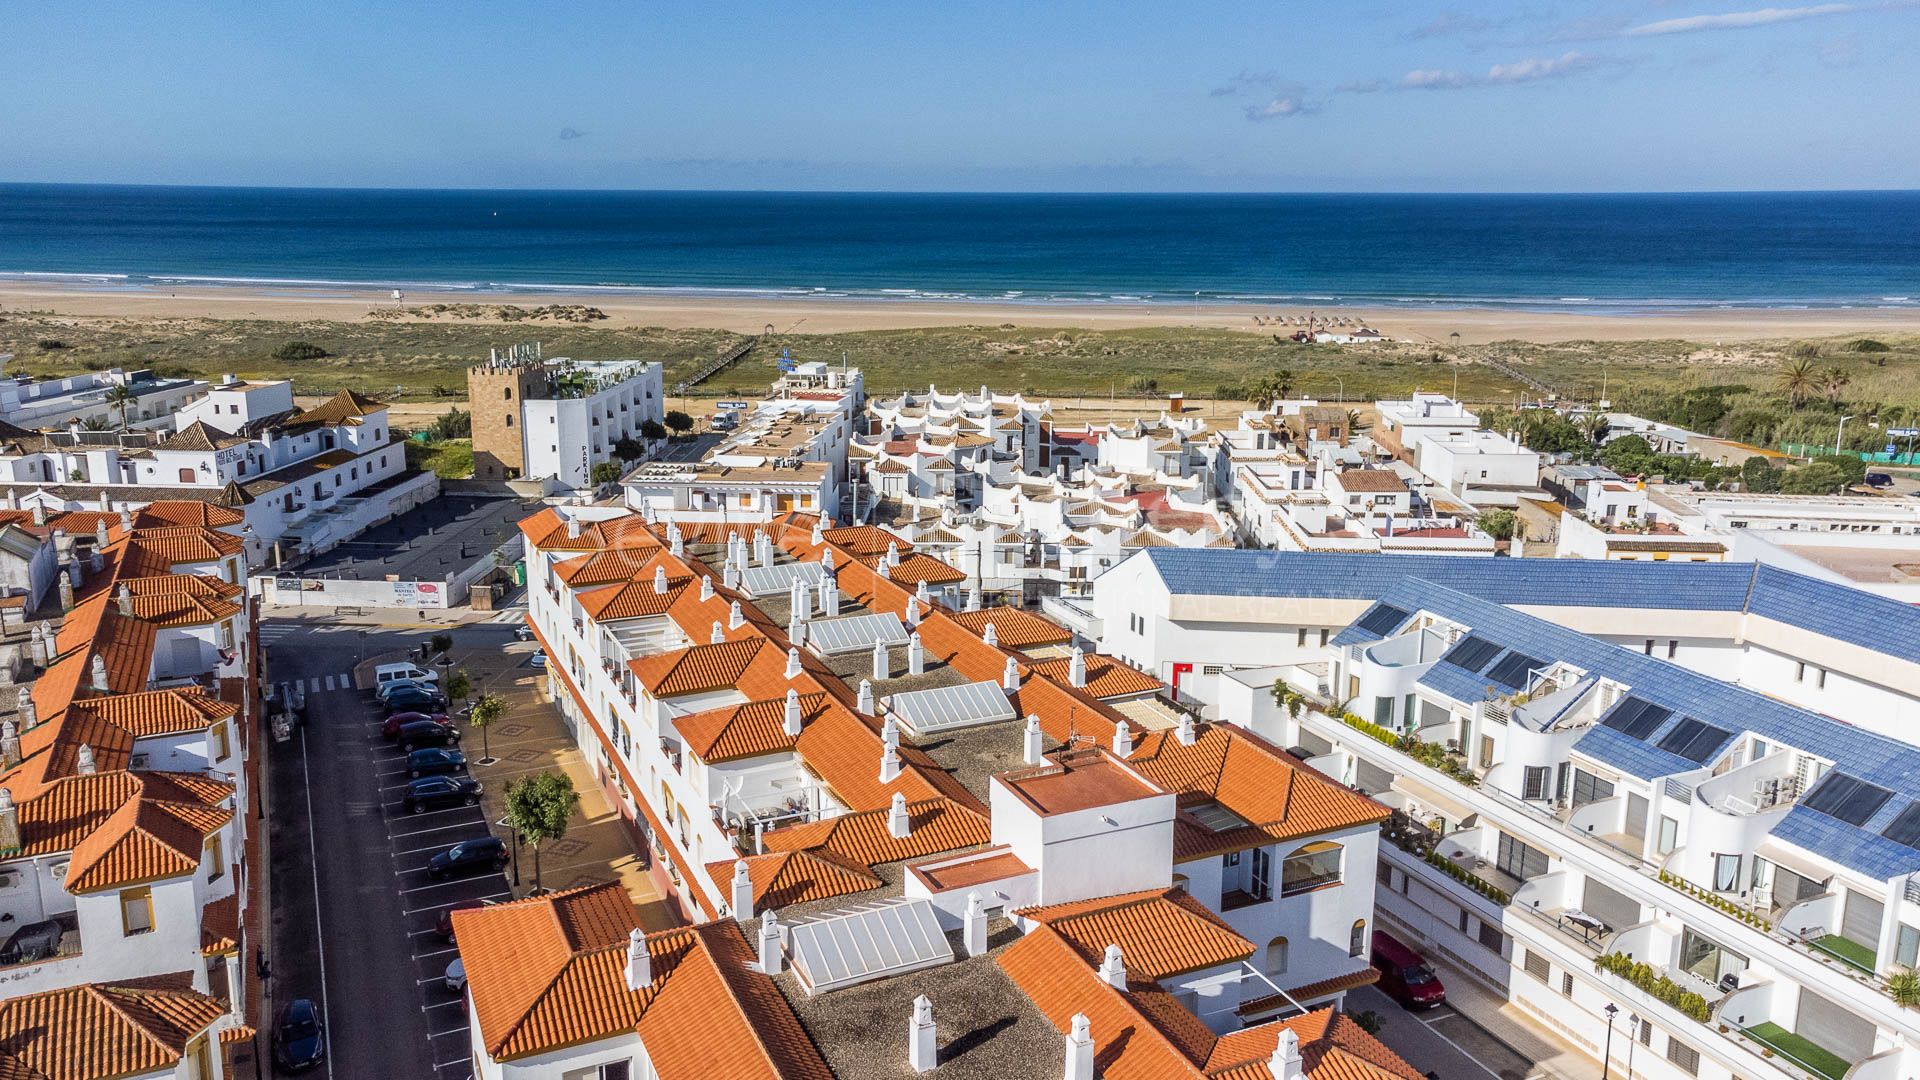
(435, 761)
(446, 917)
(391, 729)
(415, 701)
(1879, 480)
(438, 792)
(523, 633)
(482, 855)
(456, 977)
(387, 673)
(1404, 974)
(421, 733)
(299, 1040)
(387, 689)
(539, 659)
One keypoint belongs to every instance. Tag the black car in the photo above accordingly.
(415, 701)
(435, 761)
(1879, 480)
(481, 856)
(299, 1042)
(412, 736)
(436, 792)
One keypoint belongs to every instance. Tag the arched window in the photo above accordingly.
(1311, 867)
(1277, 956)
(507, 393)
(1357, 944)
(1179, 881)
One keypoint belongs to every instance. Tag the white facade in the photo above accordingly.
(31, 403)
(563, 437)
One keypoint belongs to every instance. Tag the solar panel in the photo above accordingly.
(1472, 653)
(1847, 799)
(1384, 619)
(771, 580)
(1512, 672)
(1636, 717)
(871, 941)
(855, 632)
(1905, 829)
(1695, 740)
(948, 707)
(1217, 817)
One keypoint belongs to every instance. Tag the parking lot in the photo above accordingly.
(426, 543)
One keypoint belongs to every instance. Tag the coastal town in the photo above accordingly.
(837, 732)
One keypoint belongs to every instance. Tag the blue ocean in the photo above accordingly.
(1593, 253)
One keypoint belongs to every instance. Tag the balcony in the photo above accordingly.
(1810, 1057)
(55, 938)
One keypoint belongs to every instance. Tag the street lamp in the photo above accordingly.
(1633, 1039)
(1839, 445)
(1606, 1055)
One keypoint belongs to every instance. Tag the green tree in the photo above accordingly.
(1759, 475)
(488, 709)
(1629, 455)
(121, 396)
(1832, 382)
(538, 808)
(1798, 379)
(1288, 698)
(299, 350)
(453, 425)
(652, 429)
(606, 472)
(1852, 469)
(628, 448)
(1819, 478)
(459, 685)
(678, 422)
(439, 645)
(1597, 427)
(1499, 524)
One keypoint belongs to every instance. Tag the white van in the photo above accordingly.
(387, 673)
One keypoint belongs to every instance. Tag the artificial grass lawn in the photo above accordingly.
(1811, 1055)
(1852, 952)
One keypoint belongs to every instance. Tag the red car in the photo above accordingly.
(1404, 974)
(391, 729)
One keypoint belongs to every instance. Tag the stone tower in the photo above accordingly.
(495, 391)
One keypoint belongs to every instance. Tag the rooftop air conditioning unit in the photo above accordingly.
(8, 879)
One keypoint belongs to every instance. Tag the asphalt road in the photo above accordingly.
(1441, 1040)
(360, 937)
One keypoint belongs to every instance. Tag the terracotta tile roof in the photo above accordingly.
(1066, 713)
(198, 436)
(1014, 628)
(615, 565)
(345, 407)
(220, 925)
(177, 512)
(549, 972)
(737, 731)
(629, 600)
(919, 567)
(547, 529)
(1381, 480)
(1106, 677)
(784, 878)
(181, 606)
(934, 825)
(123, 827)
(945, 874)
(1160, 932)
(864, 540)
(1319, 988)
(1127, 1046)
(99, 1030)
(698, 668)
(1280, 798)
(172, 711)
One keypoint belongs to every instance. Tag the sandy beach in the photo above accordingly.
(752, 315)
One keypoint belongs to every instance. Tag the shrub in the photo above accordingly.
(1804, 350)
(1668, 992)
(299, 350)
(1905, 988)
(606, 472)
(1867, 344)
(50, 344)
(1498, 524)
(453, 425)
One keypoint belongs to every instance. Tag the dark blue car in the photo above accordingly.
(300, 1042)
(438, 792)
(435, 761)
(478, 856)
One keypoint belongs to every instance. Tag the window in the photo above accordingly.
(1906, 951)
(1464, 917)
(1649, 648)
(136, 911)
(1684, 1056)
(1518, 859)
(1231, 858)
(1383, 711)
(1820, 681)
(1726, 873)
(1536, 965)
(1646, 1033)
(1492, 938)
(1800, 675)
(1357, 939)
(1260, 880)
(509, 419)
(1311, 867)
(1669, 836)
(1566, 983)
(222, 743)
(1672, 648)
(1301, 641)
(186, 477)
(1323, 636)
(215, 857)
(199, 1059)
(1589, 788)
(1533, 785)
(1277, 956)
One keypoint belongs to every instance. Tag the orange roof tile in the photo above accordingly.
(157, 834)
(1014, 628)
(796, 877)
(944, 874)
(919, 567)
(1106, 677)
(737, 731)
(346, 407)
(698, 668)
(934, 825)
(1319, 988)
(176, 512)
(220, 925)
(98, 1030)
(1160, 932)
(629, 600)
(159, 712)
(864, 540)
(615, 565)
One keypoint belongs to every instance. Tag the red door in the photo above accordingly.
(1179, 670)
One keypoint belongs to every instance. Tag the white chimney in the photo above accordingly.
(790, 714)
(9, 824)
(9, 744)
(864, 703)
(1113, 969)
(1080, 1049)
(802, 599)
(973, 598)
(675, 542)
(882, 669)
(39, 513)
(1077, 667)
(974, 924)
(889, 764)
(1186, 732)
(797, 630)
(742, 891)
(893, 555)
(890, 731)
(990, 635)
(123, 599)
(1285, 1063)
(1122, 738)
(659, 579)
(735, 616)
(99, 673)
(829, 595)
(639, 963)
(897, 821)
(826, 560)
(1010, 676)
(718, 634)
(28, 711)
(729, 576)
(922, 1047)
(913, 612)
(920, 592)
(793, 663)
(706, 587)
(819, 535)
(83, 760)
(771, 961)
(100, 533)
(126, 519)
(916, 655)
(573, 528)
(1033, 741)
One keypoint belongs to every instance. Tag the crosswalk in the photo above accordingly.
(318, 683)
(272, 630)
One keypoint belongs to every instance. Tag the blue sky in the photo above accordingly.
(1287, 95)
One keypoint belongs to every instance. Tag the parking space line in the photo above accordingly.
(326, 1008)
(329, 685)
(435, 885)
(441, 1005)
(451, 1064)
(313, 684)
(436, 952)
(436, 828)
(449, 1031)
(420, 850)
(1464, 1052)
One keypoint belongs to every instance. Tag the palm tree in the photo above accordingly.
(1832, 381)
(1597, 427)
(120, 396)
(1355, 422)
(489, 708)
(538, 808)
(1798, 379)
(1282, 384)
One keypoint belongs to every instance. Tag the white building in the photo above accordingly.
(595, 404)
(95, 398)
(1618, 765)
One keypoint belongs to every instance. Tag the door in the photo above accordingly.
(1609, 905)
(1828, 1025)
(1636, 816)
(1178, 671)
(1860, 919)
(1260, 880)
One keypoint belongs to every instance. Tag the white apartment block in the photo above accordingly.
(1681, 791)
(94, 398)
(593, 405)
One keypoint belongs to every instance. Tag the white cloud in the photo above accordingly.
(1533, 69)
(1283, 97)
(1279, 107)
(1736, 20)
